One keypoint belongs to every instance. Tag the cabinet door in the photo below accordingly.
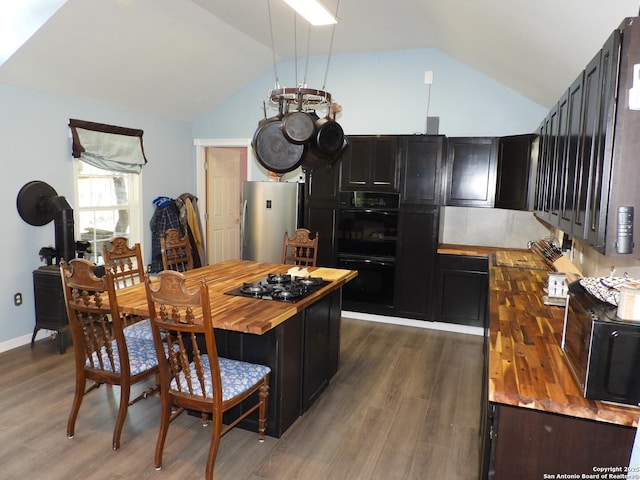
(461, 295)
(588, 147)
(355, 163)
(315, 351)
(321, 211)
(471, 172)
(517, 163)
(418, 243)
(558, 159)
(323, 183)
(543, 175)
(384, 163)
(370, 164)
(322, 218)
(421, 168)
(600, 169)
(573, 151)
(538, 442)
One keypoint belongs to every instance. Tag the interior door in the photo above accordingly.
(223, 181)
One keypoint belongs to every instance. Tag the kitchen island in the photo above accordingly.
(299, 341)
(535, 419)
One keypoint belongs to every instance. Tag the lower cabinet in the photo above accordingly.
(531, 444)
(462, 290)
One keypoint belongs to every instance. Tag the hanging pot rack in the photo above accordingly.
(296, 136)
(300, 96)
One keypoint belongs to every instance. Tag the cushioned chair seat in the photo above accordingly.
(140, 331)
(236, 377)
(142, 356)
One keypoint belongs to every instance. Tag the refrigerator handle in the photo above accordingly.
(243, 217)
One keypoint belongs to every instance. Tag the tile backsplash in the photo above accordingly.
(492, 227)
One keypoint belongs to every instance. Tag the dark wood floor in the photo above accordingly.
(405, 404)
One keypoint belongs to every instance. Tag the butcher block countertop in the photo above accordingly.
(242, 314)
(526, 365)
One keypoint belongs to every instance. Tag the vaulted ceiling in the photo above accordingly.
(181, 58)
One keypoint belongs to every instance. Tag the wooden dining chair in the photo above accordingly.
(192, 376)
(300, 249)
(176, 251)
(102, 353)
(124, 262)
(127, 269)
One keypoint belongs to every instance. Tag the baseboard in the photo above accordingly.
(409, 322)
(15, 343)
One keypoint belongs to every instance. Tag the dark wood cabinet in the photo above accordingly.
(471, 171)
(572, 153)
(540, 443)
(516, 178)
(371, 163)
(589, 143)
(558, 159)
(462, 290)
(415, 263)
(603, 149)
(421, 169)
(543, 172)
(321, 348)
(322, 210)
(323, 219)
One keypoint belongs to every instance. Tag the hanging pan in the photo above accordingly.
(329, 136)
(273, 150)
(299, 126)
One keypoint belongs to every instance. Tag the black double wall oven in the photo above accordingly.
(367, 237)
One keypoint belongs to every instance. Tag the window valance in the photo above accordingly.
(108, 147)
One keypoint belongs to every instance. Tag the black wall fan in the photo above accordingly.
(38, 203)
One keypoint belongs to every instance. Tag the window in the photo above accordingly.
(108, 204)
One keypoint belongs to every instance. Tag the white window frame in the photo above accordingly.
(134, 207)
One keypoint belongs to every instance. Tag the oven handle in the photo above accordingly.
(385, 211)
(366, 261)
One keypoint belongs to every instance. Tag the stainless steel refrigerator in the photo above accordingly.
(268, 210)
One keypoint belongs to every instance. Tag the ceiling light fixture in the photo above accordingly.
(313, 12)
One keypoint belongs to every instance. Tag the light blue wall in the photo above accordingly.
(384, 93)
(35, 145)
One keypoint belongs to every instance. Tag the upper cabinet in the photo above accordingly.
(471, 171)
(613, 124)
(371, 163)
(588, 151)
(421, 169)
(517, 164)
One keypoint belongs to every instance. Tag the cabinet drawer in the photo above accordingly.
(463, 262)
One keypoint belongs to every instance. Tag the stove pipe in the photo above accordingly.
(63, 222)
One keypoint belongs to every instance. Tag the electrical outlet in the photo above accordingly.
(428, 77)
(17, 299)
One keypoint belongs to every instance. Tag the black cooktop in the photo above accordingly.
(279, 287)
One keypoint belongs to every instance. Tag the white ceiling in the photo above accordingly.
(181, 58)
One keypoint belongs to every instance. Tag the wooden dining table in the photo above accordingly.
(237, 313)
